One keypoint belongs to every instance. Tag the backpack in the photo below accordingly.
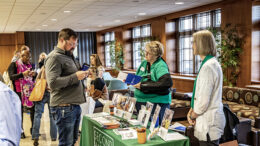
(230, 130)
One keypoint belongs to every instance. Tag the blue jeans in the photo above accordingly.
(162, 111)
(39, 109)
(67, 119)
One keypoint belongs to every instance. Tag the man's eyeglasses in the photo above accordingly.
(72, 44)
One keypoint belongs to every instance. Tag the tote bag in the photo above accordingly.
(39, 88)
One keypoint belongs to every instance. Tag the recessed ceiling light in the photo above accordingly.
(100, 25)
(53, 19)
(141, 14)
(67, 11)
(179, 3)
(44, 25)
(117, 20)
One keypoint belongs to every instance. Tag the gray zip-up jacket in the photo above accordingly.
(62, 80)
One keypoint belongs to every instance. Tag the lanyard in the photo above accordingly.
(194, 87)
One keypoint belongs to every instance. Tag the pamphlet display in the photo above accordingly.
(144, 113)
(129, 108)
(155, 118)
(167, 118)
(124, 106)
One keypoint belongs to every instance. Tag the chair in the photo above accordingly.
(116, 84)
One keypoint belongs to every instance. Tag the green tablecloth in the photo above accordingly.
(92, 134)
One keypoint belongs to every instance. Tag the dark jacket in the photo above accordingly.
(231, 125)
(161, 87)
(61, 77)
(12, 71)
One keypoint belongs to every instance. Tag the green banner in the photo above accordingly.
(92, 134)
(101, 138)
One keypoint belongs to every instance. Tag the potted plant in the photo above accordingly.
(229, 50)
(116, 53)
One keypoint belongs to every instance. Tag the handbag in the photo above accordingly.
(39, 88)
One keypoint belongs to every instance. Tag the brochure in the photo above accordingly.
(155, 118)
(122, 76)
(85, 67)
(167, 118)
(178, 127)
(126, 133)
(173, 136)
(132, 79)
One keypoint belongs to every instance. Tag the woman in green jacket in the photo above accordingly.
(156, 80)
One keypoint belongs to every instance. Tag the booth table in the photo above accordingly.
(92, 134)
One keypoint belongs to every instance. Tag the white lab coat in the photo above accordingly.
(208, 102)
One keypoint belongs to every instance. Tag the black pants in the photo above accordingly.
(30, 109)
(209, 142)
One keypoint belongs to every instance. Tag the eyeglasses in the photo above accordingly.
(72, 44)
(148, 53)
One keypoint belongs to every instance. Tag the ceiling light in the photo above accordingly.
(179, 3)
(38, 29)
(117, 20)
(86, 29)
(53, 19)
(100, 25)
(67, 11)
(141, 14)
(44, 25)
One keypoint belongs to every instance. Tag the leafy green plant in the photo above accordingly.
(229, 47)
(116, 53)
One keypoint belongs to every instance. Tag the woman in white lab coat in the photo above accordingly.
(206, 113)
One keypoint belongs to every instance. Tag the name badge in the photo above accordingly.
(142, 69)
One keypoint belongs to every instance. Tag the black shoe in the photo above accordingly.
(53, 139)
(23, 136)
(36, 143)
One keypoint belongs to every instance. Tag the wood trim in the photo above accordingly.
(255, 3)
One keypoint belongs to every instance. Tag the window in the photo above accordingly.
(141, 35)
(109, 38)
(255, 62)
(187, 62)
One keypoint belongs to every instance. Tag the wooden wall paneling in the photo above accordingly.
(6, 54)
(7, 39)
(183, 85)
(158, 31)
(19, 40)
(127, 36)
(171, 57)
(239, 13)
(100, 47)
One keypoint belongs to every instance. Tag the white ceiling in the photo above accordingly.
(85, 15)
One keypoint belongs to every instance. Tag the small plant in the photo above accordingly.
(229, 47)
(116, 53)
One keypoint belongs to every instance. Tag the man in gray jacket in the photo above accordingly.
(67, 89)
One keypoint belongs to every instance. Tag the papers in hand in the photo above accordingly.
(178, 127)
(129, 78)
(133, 79)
